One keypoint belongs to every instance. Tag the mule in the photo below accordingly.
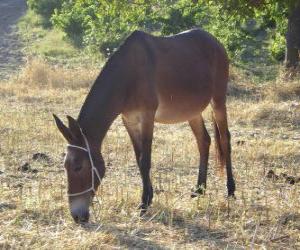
(149, 79)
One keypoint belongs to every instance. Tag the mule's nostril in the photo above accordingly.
(85, 217)
(76, 218)
(83, 220)
(81, 217)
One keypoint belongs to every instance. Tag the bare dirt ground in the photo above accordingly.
(11, 56)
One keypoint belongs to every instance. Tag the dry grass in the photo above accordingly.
(38, 73)
(284, 91)
(33, 205)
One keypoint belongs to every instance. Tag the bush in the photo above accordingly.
(45, 8)
(101, 25)
(73, 19)
(185, 15)
(277, 47)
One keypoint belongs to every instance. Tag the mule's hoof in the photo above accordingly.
(197, 192)
(231, 188)
(143, 212)
(194, 195)
(143, 209)
(231, 196)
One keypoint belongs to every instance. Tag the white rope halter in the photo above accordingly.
(93, 168)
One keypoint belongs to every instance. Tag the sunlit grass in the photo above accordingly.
(42, 40)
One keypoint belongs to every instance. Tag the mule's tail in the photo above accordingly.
(220, 156)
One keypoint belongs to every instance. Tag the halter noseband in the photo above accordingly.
(93, 168)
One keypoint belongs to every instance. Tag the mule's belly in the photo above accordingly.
(175, 110)
(170, 116)
(183, 89)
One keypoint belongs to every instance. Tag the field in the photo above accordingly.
(264, 122)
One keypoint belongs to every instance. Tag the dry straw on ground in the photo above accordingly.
(264, 122)
(38, 73)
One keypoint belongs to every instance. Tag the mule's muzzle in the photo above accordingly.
(79, 207)
(80, 216)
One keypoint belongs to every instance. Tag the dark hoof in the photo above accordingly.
(197, 192)
(231, 188)
(143, 212)
(231, 196)
(143, 209)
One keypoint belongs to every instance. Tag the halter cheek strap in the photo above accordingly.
(93, 168)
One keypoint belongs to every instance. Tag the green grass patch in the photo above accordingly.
(50, 43)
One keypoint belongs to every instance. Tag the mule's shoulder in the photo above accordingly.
(138, 45)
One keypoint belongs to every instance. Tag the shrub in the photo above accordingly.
(277, 47)
(45, 7)
(185, 15)
(73, 19)
(101, 25)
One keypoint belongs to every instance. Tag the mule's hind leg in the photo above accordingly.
(140, 130)
(203, 142)
(223, 142)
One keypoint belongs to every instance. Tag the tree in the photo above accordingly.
(293, 36)
(275, 9)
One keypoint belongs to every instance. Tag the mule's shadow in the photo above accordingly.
(125, 238)
(194, 231)
(191, 232)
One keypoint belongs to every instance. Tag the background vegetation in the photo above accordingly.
(252, 35)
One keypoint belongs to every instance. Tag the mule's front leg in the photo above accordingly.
(145, 165)
(140, 130)
(144, 161)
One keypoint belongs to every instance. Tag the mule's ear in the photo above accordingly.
(63, 129)
(74, 127)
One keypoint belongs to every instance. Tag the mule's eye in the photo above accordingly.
(77, 168)
(76, 164)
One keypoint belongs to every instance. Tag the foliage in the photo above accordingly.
(104, 24)
(45, 8)
(101, 25)
(274, 13)
(233, 32)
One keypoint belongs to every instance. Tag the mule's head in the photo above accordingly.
(79, 169)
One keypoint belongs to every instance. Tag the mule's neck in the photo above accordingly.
(103, 103)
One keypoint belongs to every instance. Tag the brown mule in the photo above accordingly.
(149, 79)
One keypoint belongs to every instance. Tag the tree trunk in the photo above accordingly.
(293, 38)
